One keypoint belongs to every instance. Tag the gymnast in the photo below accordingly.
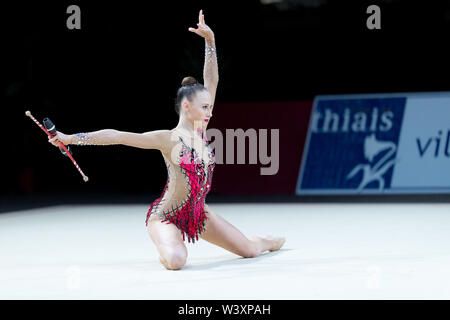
(181, 212)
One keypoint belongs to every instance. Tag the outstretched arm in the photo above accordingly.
(210, 69)
(157, 139)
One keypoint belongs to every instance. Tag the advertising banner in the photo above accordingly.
(377, 143)
(250, 163)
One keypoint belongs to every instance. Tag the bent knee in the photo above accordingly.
(175, 260)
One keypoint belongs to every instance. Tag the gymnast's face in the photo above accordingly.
(200, 108)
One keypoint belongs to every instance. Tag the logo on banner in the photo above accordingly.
(352, 145)
(374, 171)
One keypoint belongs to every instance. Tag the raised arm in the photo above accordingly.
(210, 69)
(157, 139)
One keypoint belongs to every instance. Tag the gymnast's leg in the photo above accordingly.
(169, 242)
(220, 232)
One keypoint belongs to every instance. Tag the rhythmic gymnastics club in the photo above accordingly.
(61, 145)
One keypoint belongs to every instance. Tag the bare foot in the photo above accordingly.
(277, 242)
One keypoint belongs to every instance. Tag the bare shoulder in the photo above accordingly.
(172, 141)
(162, 136)
(157, 139)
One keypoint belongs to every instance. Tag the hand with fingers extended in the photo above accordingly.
(202, 29)
(60, 137)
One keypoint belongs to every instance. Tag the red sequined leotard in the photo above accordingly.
(189, 175)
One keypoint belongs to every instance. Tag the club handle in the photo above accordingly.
(50, 126)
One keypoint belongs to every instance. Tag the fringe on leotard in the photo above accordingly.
(189, 216)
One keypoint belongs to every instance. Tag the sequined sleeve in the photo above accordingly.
(101, 137)
(210, 69)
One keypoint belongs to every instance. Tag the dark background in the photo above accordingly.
(122, 70)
